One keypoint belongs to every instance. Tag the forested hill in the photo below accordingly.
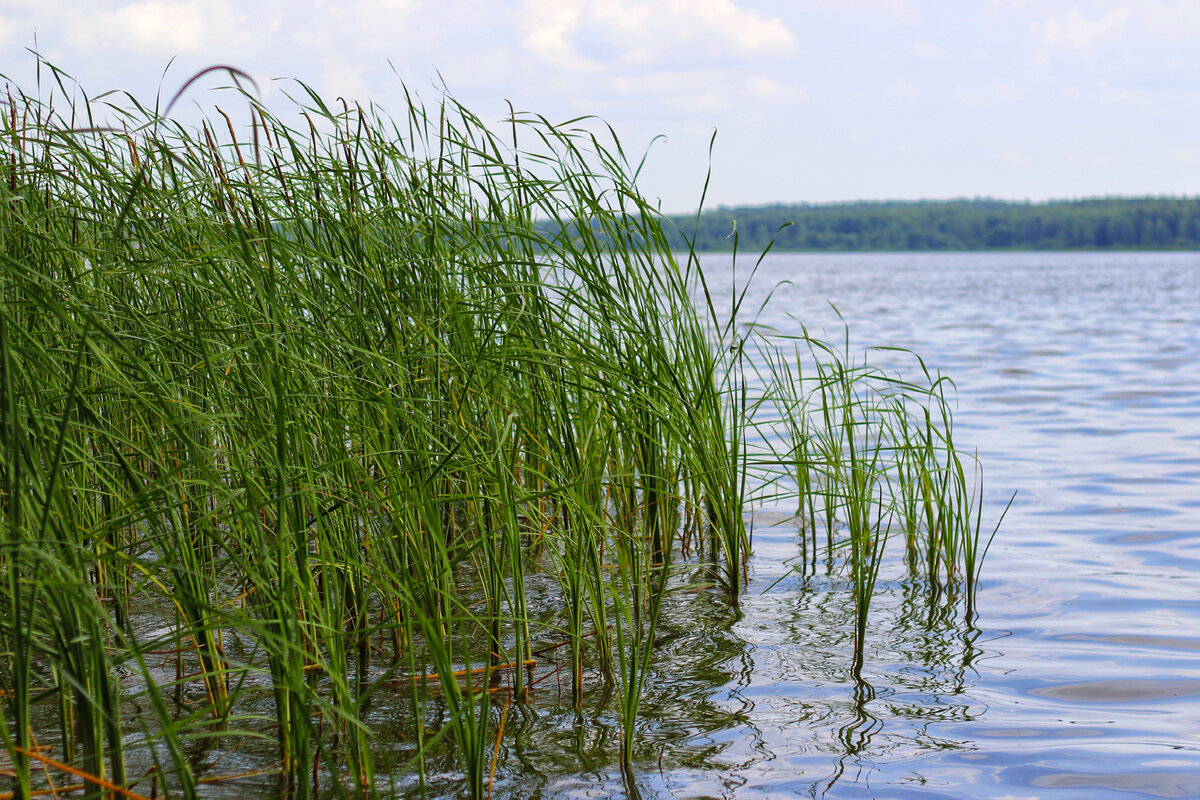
(1131, 223)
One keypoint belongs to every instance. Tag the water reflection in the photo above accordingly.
(768, 700)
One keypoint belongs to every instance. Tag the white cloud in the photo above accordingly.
(1083, 26)
(1076, 32)
(550, 35)
(603, 35)
(292, 32)
(1167, 20)
(1143, 45)
(348, 30)
(751, 32)
(159, 27)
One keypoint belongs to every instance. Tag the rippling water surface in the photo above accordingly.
(1079, 381)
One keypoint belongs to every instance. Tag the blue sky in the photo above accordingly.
(812, 100)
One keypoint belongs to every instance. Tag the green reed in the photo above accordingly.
(872, 454)
(290, 413)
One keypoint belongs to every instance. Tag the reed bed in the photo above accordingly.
(290, 413)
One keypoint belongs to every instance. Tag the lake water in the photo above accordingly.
(1079, 381)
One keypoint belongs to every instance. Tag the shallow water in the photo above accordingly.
(1079, 381)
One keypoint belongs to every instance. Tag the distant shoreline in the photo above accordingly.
(1099, 224)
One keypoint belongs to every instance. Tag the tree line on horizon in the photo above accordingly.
(1141, 223)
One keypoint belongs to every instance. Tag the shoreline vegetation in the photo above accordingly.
(293, 418)
(1101, 223)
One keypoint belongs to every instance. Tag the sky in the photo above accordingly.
(811, 100)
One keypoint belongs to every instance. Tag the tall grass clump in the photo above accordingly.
(292, 404)
(307, 387)
(871, 454)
